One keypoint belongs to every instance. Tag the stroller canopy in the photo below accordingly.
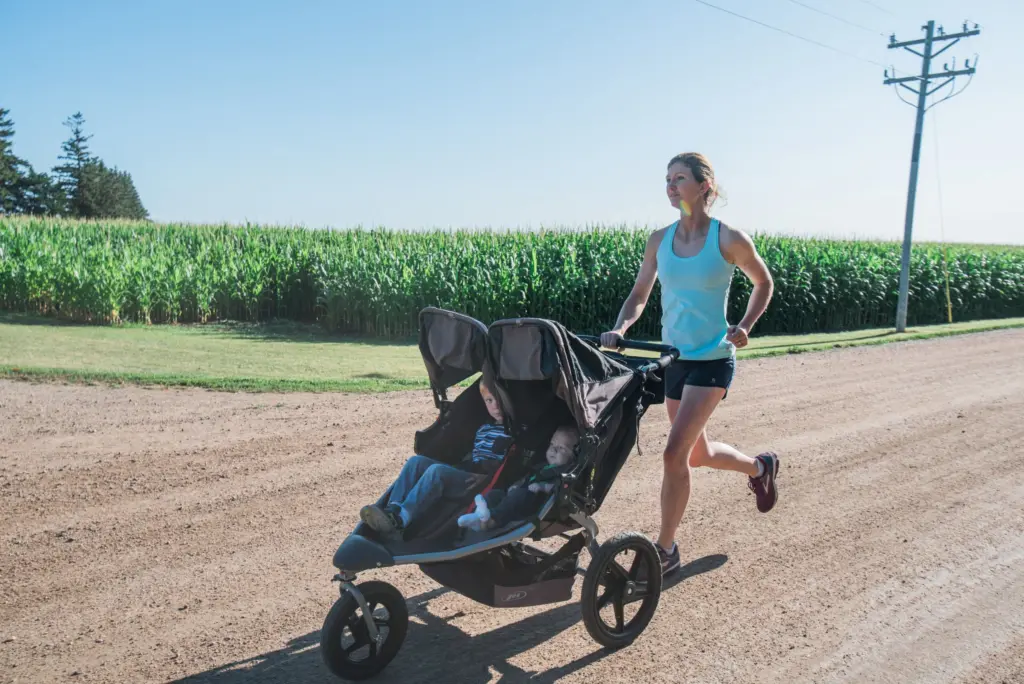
(453, 346)
(520, 350)
(536, 349)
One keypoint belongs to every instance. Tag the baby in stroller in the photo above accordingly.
(522, 498)
(425, 482)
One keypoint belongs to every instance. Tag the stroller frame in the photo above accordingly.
(549, 575)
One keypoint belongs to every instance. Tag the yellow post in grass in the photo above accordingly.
(945, 269)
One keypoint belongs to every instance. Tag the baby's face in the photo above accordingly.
(560, 449)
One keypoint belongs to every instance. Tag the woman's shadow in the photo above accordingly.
(435, 650)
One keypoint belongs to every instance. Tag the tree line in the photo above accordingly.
(81, 185)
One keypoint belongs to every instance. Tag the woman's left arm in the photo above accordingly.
(739, 249)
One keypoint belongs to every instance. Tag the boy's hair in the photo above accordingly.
(487, 379)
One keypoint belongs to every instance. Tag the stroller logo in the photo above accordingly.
(515, 596)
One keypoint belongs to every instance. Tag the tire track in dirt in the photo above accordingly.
(152, 535)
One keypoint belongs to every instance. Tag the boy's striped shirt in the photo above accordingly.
(491, 443)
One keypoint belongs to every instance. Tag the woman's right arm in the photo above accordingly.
(634, 305)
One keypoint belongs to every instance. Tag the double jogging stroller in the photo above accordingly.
(545, 376)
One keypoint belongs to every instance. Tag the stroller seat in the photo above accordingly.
(448, 440)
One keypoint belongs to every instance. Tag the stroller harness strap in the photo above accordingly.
(490, 485)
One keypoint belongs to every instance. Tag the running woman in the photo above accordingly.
(694, 260)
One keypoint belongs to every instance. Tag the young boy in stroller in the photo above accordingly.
(425, 482)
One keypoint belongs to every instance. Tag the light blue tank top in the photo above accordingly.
(694, 298)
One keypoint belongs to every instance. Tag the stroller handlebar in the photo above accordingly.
(661, 364)
(668, 353)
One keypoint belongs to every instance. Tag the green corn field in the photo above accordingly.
(375, 281)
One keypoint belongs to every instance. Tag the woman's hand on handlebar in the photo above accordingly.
(612, 339)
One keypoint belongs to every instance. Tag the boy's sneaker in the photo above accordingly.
(387, 522)
(764, 485)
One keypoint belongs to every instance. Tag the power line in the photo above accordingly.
(790, 33)
(877, 7)
(838, 18)
(953, 93)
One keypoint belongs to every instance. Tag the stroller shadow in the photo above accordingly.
(436, 650)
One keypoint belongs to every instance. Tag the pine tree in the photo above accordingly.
(106, 192)
(41, 195)
(131, 204)
(76, 157)
(92, 189)
(12, 169)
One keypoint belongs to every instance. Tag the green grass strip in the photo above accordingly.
(292, 358)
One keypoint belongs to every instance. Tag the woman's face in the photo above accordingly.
(680, 186)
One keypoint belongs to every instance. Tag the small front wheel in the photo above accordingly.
(345, 642)
(621, 584)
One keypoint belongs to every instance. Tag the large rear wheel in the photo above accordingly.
(345, 642)
(621, 589)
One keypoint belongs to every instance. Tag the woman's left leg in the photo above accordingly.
(721, 456)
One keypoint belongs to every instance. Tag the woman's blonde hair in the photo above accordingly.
(702, 171)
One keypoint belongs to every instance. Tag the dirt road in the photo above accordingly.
(158, 535)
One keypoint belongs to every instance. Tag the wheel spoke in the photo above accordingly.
(606, 598)
(634, 570)
(619, 619)
(618, 571)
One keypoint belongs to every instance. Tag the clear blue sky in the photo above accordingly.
(530, 113)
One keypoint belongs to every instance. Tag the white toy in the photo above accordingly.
(476, 520)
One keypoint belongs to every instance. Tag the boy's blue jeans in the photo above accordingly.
(423, 482)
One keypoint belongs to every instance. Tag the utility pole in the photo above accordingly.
(923, 92)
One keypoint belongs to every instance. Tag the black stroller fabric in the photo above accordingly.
(453, 346)
(535, 349)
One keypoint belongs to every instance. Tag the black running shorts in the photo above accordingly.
(714, 373)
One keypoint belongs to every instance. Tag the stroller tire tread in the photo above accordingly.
(345, 612)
